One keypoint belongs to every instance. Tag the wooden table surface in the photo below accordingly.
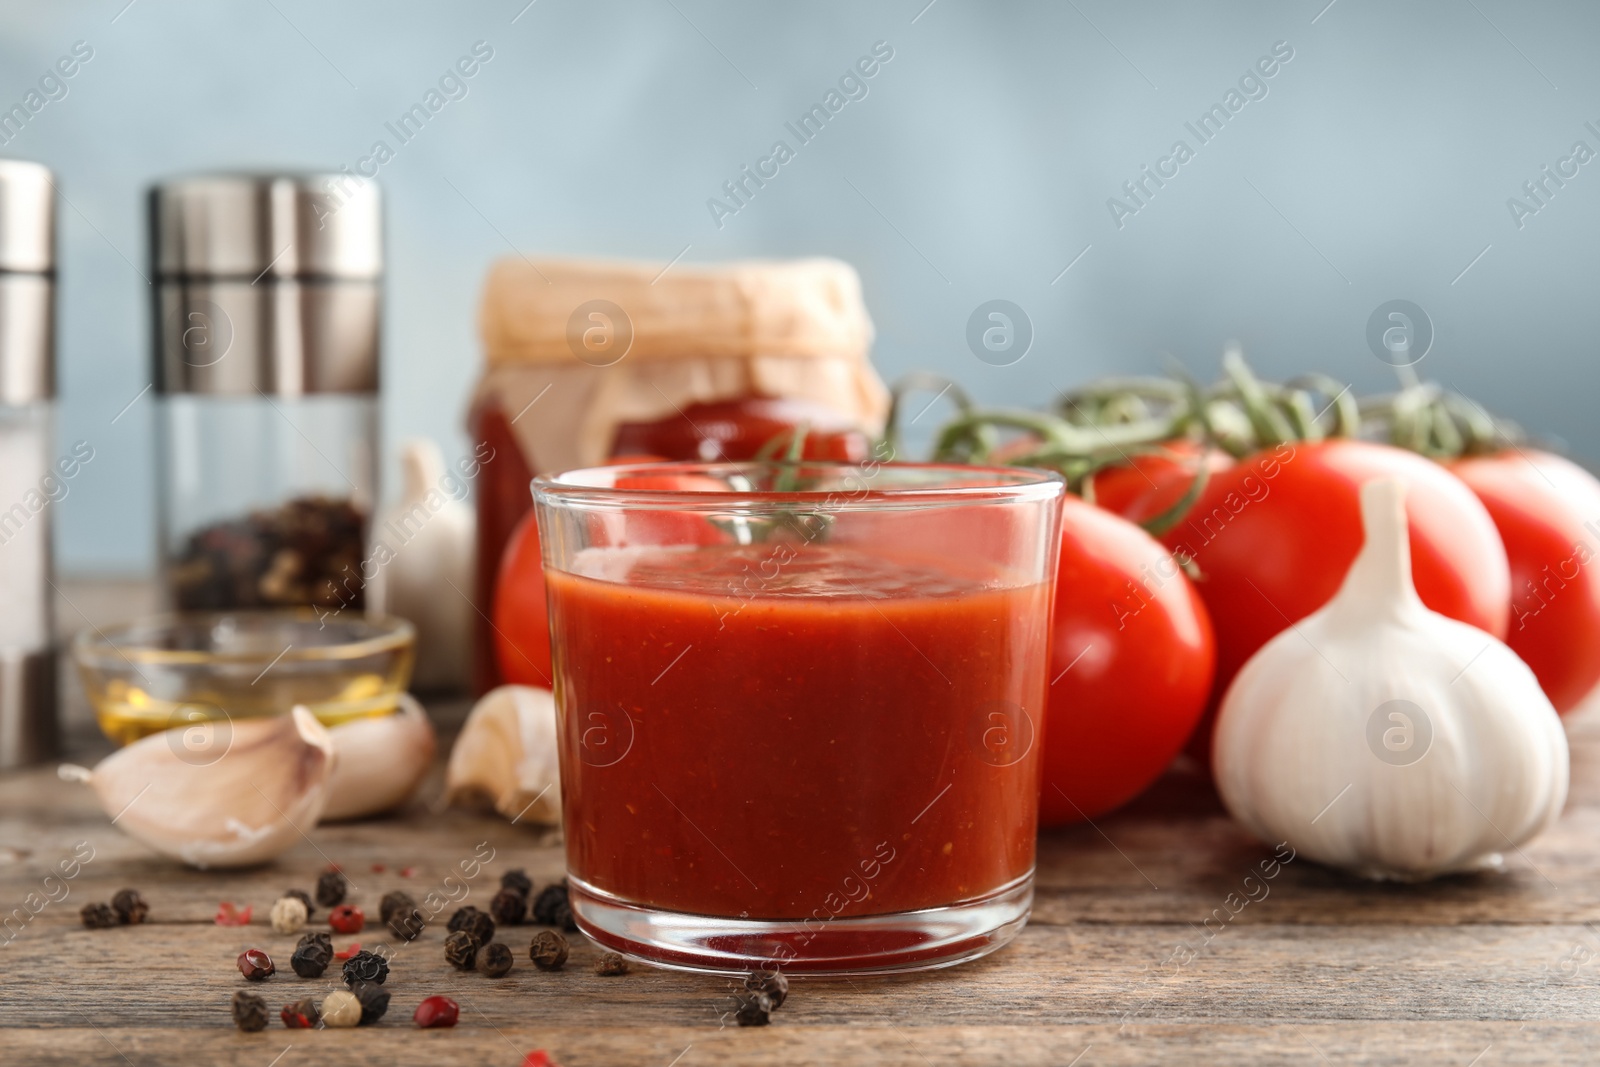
(1118, 966)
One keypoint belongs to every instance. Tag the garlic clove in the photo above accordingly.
(381, 761)
(507, 755)
(1380, 737)
(219, 794)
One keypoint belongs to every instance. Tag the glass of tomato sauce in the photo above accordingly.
(798, 707)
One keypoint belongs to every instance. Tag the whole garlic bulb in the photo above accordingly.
(1381, 737)
(423, 545)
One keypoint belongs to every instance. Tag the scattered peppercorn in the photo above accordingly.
(754, 1009)
(346, 919)
(474, 922)
(552, 908)
(548, 951)
(517, 880)
(331, 888)
(374, 1001)
(773, 983)
(610, 964)
(98, 916)
(129, 906)
(393, 902)
(407, 924)
(365, 967)
(495, 960)
(301, 1015)
(303, 897)
(255, 965)
(249, 1012)
(435, 1012)
(461, 950)
(341, 1009)
(228, 914)
(509, 907)
(312, 955)
(288, 915)
(539, 1058)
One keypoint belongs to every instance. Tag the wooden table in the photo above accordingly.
(1118, 966)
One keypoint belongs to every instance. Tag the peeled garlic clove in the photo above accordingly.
(1381, 737)
(381, 761)
(220, 794)
(506, 754)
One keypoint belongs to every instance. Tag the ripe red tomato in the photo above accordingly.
(1274, 535)
(1547, 510)
(521, 622)
(1151, 483)
(1132, 656)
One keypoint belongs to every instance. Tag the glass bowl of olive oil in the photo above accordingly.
(177, 670)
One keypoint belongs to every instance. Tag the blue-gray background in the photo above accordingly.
(978, 167)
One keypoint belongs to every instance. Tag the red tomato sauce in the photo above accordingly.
(778, 731)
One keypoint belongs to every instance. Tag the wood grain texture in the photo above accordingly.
(1119, 966)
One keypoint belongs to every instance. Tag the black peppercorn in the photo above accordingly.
(773, 983)
(98, 916)
(754, 1009)
(517, 881)
(303, 897)
(610, 964)
(461, 949)
(312, 955)
(548, 951)
(509, 907)
(374, 1001)
(249, 1012)
(301, 1015)
(407, 924)
(474, 922)
(331, 888)
(365, 966)
(129, 906)
(495, 960)
(393, 902)
(552, 908)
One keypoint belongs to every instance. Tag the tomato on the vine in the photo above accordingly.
(1273, 536)
(1132, 657)
(1152, 483)
(1547, 510)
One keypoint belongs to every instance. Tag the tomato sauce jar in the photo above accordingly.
(592, 360)
(798, 707)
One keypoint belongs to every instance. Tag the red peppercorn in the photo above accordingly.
(436, 1011)
(346, 919)
(539, 1058)
(255, 964)
(230, 915)
(349, 953)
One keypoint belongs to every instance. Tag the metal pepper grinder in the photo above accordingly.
(29, 483)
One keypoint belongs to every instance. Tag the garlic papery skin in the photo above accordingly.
(1383, 738)
(219, 794)
(506, 754)
(381, 761)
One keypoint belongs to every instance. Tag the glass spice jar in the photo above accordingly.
(267, 301)
(29, 478)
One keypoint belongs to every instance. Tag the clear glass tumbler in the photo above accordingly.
(799, 706)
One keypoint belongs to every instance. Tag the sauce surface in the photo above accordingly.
(797, 731)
